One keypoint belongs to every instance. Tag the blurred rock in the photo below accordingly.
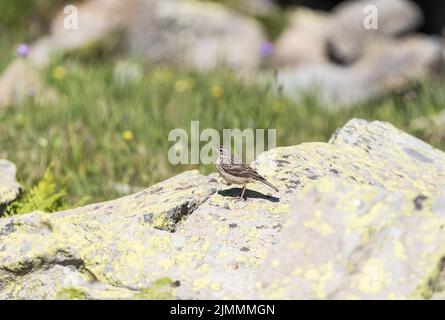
(194, 34)
(9, 187)
(21, 81)
(303, 41)
(348, 39)
(98, 20)
(387, 65)
(180, 33)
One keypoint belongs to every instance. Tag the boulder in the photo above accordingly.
(9, 187)
(348, 38)
(179, 33)
(122, 248)
(189, 238)
(354, 241)
(194, 34)
(387, 65)
(304, 39)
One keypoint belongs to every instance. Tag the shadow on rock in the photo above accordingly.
(235, 192)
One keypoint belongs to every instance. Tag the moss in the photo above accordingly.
(71, 294)
(161, 289)
(161, 222)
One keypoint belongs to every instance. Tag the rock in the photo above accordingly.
(21, 81)
(188, 238)
(98, 21)
(352, 241)
(187, 34)
(303, 41)
(348, 38)
(388, 65)
(9, 187)
(195, 34)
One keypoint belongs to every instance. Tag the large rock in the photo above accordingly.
(378, 235)
(195, 34)
(352, 241)
(348, 38)
(9, 187)
(180, 33)
(304, 39)
(387, 65)
(111, 250)
(188, 237)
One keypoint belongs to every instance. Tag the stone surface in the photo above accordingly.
(9, 187)
(304, 39)
(371, 191)
(111, 250)
(352, 241)
(347, 39)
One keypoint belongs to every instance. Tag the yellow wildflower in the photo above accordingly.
(59, 72)
(278, 106)
(184, 84)
(127, 135)
(217, 91)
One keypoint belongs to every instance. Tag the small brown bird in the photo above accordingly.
(234, 171)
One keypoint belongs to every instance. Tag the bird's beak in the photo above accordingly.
(216, 150)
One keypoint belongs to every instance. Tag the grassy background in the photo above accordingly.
(104, 133)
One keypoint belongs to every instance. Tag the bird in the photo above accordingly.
(234, 171)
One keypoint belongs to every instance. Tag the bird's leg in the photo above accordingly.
(242, 192)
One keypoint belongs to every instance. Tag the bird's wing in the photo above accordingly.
(242, 171)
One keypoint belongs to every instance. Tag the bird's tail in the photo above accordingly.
(270, 185)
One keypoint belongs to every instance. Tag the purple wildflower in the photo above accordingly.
(23, 50)
(266, 49)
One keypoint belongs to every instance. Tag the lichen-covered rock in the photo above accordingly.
(188, 237)
(403, 161)
(351, 241)
(9, 187)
